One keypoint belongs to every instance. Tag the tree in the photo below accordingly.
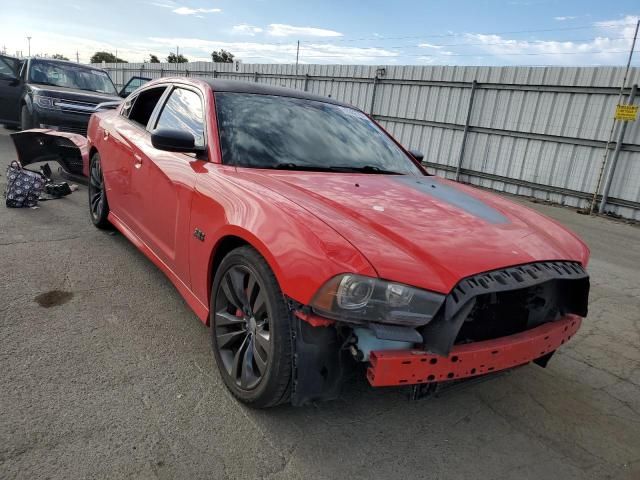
(154, 59)
(173, 58)
(59, 56)
(106, 57)
(222, 56)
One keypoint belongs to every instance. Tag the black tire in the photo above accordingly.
(98, 204)
(26, 122)
(250, 330)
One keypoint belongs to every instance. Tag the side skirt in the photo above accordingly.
(201, 310)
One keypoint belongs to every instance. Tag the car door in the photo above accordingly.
(133, 84)
(124, 136)
(167, 180)
(10, 89)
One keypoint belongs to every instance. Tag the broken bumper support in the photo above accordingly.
(411, 367)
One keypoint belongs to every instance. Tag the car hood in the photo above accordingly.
(73, 94)
(425, 231)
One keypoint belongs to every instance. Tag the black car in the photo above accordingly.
(54, 94)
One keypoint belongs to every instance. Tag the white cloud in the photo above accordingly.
(194, 11)
(282, 30)
(244, 29)
(624, 25)
(165, 4)
(610, 47)
(563, 19)
(256, 52)
(429, 45)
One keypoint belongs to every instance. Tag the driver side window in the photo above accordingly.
(184, 111)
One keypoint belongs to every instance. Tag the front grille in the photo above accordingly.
(74, 106)
(513, 278)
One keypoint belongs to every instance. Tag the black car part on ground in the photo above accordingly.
(36, 146)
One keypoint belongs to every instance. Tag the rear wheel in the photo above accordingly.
(250, 332)
(98, 205)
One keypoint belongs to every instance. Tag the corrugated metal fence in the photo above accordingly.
(534, 131)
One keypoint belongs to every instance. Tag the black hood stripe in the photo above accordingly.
(434, 188)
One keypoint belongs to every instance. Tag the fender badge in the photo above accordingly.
(199, 234)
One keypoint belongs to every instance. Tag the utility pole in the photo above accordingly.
(297, 56)
(616, 152)
(613, 125)
(77, 57)
(29, 42)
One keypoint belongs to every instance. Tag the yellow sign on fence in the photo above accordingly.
(627, 113)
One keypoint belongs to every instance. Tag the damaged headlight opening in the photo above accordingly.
(359, 299)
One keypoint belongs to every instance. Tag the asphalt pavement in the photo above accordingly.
(106, 373)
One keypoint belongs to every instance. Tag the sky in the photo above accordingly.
(402, 32)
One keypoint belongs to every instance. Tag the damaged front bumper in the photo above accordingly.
(489, 322)
(69, 150)
(411, 367)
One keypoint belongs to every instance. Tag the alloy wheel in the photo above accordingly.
(96, 189)
(242, 326)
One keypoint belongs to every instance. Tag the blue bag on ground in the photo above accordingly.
(23, 186)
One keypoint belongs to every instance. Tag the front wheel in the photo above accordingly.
(98, 205)
(250, 330)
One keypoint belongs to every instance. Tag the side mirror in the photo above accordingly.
(418, 155)
(174, 141)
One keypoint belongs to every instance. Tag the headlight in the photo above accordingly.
(48, 103)
(358, 299)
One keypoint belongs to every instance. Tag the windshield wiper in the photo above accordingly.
(375, 169)
(335, 168)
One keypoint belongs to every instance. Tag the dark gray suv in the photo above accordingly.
(54, 94)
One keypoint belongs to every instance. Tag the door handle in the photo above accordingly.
(138, 160)
(106, 134)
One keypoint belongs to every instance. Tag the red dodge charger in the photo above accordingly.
(310, 241)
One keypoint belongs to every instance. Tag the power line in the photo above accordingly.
(439, 45)
(512, 32)
(480, 54)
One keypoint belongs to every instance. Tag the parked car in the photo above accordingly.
(309, 240)
(54, 94)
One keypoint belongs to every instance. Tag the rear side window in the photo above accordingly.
(139, 109)
(184, 111)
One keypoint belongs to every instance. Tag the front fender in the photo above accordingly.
(302, 251)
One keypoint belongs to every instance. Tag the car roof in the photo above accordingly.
(238, 86)
(66, 62)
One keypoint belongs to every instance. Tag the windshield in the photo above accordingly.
(264, 131)
(71, 76)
